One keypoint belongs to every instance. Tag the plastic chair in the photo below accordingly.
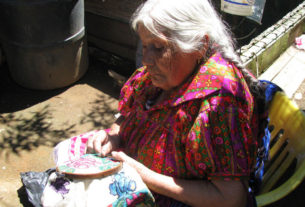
(287, 149)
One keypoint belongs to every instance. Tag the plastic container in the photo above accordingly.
(238, 7)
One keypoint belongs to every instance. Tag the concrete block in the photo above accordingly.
(268, 41)
(254, 50)
(261, 45)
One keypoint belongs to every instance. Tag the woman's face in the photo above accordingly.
(166, 68)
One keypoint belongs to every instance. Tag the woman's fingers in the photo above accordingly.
(94, 143)
(139, 167)
(106, 149)
(125, 158)
(89, 145)
(119, 155)
(97, 143)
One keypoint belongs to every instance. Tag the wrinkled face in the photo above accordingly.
(166, 67)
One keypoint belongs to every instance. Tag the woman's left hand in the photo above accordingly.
(140, 168)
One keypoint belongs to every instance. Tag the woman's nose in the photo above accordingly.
(148, 57)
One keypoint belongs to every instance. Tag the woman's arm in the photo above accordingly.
(198, 192)
(192, 192)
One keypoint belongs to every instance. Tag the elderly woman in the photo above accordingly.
(189, 121)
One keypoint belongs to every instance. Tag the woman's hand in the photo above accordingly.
(148, 176)
(105, 141)
(140, 168)
(102, 143)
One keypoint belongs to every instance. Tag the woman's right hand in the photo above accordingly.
(102, 143)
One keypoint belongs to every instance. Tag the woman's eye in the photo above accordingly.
(159, 48)
(153, 48)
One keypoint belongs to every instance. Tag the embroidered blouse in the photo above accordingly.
(206, 129)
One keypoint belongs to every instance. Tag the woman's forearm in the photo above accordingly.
(197, 192)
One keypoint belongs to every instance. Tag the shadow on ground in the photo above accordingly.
(26, 133)
(15, 98)
(21, 131)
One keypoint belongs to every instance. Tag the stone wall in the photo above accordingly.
(263, 50)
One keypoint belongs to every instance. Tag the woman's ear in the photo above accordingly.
(205, 44)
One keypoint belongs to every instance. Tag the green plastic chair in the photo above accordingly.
(287, 148)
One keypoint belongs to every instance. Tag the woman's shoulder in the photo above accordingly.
(219, 66)
(230, 77)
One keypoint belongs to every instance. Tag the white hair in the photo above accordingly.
(185, 23)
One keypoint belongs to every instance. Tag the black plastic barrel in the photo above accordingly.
(44, 41)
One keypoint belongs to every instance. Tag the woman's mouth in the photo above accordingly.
(154, 76)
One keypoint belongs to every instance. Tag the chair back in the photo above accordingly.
(287, 144)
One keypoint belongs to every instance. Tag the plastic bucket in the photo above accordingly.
(238, 7)
(44, 41)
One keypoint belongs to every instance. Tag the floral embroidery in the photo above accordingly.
(127, 192)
